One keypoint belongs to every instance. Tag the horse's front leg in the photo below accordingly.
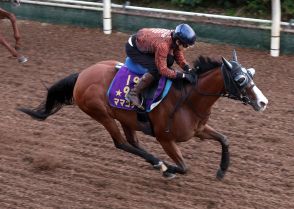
(12, 18)
(16, 31)
(210, 133)
(7, 46)
(172, 150)
(14, 53)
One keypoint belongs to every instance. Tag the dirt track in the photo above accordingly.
(69, 161)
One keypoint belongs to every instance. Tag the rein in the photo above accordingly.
(231, 91)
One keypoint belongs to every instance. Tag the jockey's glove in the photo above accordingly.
(187, 68)
(186, 76)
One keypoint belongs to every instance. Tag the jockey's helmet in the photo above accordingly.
(185, 34)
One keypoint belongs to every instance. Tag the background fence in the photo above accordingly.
(244, 32)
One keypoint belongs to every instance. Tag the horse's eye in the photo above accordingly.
(240, 79)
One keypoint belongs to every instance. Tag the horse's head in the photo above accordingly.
(15, 3)
(239, 84)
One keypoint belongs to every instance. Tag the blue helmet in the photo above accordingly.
(185, 34)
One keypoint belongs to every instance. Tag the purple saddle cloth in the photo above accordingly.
(124, 80)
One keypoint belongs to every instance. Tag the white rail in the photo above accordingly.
(64, 3)
(99, 7)
(106, 8)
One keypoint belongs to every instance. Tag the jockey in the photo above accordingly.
(156, 49)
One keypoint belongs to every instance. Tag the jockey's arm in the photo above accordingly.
(180, 60)
(161, 54)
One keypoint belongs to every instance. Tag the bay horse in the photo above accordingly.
(7, 15)
(181, 115)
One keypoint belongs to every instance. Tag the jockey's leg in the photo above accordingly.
(133, 95)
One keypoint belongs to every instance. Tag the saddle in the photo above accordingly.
(127, 76)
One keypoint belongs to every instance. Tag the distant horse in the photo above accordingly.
(7, 15)
(181, 115)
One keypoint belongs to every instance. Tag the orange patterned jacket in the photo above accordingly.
(159, 41)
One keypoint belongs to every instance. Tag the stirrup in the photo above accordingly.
(140, 106)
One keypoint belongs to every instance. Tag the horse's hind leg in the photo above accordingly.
(132, 139)
(119, 141)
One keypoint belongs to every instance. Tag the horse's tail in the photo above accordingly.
(58, 95)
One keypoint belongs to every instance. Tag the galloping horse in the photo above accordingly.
(181, 115)
(7, 15)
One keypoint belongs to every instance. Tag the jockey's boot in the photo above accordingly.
(133, 95)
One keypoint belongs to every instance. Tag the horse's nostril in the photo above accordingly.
(262, 104)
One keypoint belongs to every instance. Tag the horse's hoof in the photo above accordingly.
(157, 166)
(160, 166)
(168, 175)
(22, 59)
(220, 174)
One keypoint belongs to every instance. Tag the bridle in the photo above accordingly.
(236, 81)
(235, 86)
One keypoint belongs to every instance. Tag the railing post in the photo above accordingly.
(276, 27)
(107, 16)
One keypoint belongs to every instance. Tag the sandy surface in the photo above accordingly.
(69, 160)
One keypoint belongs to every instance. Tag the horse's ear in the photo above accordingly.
(227, 63)
(235, 56)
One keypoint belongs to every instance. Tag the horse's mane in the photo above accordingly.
(203, 64)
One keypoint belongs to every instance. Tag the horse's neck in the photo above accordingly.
(192, 99)
(206, 92)
(211, 82)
